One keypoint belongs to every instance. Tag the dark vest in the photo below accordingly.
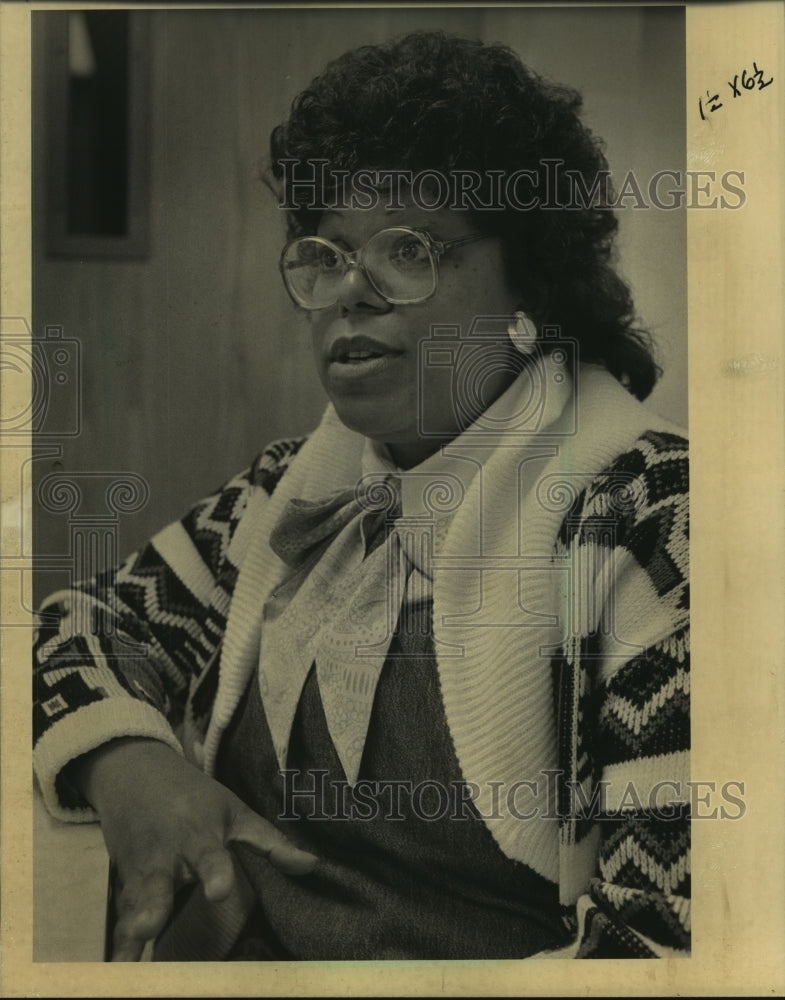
(408, 869)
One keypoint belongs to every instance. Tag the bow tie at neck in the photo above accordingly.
(307, 527)
(354, 564)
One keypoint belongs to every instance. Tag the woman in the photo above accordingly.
(415, 687)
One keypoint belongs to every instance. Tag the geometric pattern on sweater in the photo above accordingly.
(631, 709)
(145, 605)
(634, 855)
(651, 482)
(645, 711)
(621, 922)
(631, 869)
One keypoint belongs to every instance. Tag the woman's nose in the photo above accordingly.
(356, 291)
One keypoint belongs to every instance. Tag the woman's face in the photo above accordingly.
(376, 360)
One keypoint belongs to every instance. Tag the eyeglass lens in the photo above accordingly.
(398, 263)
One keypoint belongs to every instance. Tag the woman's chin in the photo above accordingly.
(368, 418)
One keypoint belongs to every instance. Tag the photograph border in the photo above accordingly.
(737, 435)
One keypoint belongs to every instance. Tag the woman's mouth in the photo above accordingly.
(359, 357)
(350, 350)
(354, 357)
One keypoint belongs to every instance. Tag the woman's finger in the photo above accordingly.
(249, 828)
(214, 868)
(144, 903)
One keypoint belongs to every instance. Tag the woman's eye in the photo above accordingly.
(329, 260)
(409, 252)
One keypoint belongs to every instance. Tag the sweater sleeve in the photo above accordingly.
(117, 655)
(629, 801)
(638, 905)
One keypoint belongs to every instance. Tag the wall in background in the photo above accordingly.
(192, 358)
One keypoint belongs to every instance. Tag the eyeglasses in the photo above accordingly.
(401, 264)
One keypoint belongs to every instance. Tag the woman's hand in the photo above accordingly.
(166, 823)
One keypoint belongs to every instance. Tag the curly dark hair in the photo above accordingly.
(432, 101)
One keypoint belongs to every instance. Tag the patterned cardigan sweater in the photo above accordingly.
(136, 651)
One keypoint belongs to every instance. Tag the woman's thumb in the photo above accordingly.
(257, 833)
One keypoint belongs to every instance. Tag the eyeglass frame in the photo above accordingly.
(353, 258)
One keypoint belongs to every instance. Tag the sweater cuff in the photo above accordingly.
(77, 734)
